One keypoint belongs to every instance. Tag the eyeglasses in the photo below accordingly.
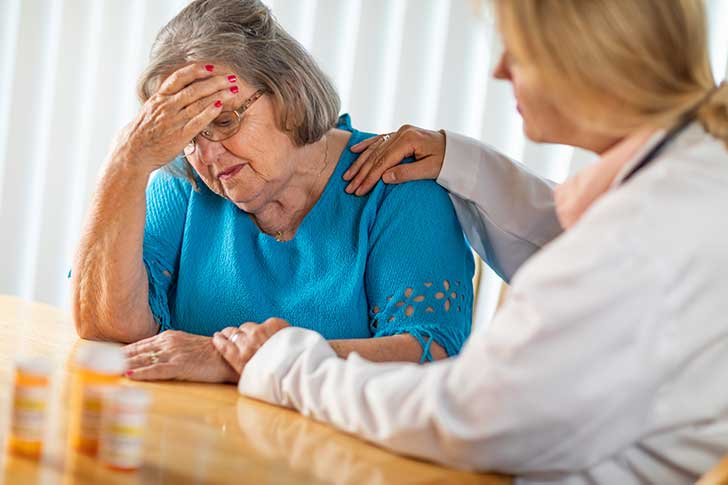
(226, 125)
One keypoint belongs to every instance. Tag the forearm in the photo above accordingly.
(396, 348)
(507, 212)
(109, 281)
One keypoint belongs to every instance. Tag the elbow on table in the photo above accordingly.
(86, 320)
(97, 320)
(80, 313)
(104, 326)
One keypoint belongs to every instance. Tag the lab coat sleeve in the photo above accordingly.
(557, 382)
(507, 212)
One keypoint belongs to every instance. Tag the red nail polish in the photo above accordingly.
(234, 90)
(218, 103)
(232, 79)
(209, 67)
(129, 373)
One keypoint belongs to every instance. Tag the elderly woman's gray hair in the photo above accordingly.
(244, 35)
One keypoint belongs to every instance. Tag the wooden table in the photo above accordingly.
(197, 433)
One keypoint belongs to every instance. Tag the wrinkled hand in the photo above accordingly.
(177, 355)
(238, 345)
(382, 156)
(182, 107)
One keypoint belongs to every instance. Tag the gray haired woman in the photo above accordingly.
(253, 223)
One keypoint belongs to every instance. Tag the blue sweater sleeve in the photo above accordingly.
(167, 200)
(419, 269)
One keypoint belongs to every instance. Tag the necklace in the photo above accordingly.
(279, 234)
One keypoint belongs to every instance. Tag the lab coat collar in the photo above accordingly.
(651, 142)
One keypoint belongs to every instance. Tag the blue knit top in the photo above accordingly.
(392, 262)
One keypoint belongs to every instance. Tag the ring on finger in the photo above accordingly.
(154, 357)
(235, 336)
(386, 137)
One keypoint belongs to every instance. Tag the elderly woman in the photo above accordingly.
(607, 363)
(254, 221)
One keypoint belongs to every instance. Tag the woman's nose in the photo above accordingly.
(209, 150)
(501, 70)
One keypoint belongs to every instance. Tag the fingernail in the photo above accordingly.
(209, 67)
(349, 189)
(218, 104)
(234, 90)
(232, 78)
(346, 175)
(389, 177)
(129, 373)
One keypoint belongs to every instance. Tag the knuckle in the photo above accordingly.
(170, 336)
(156, 101)
(173, 78)
(187, 94)
(161, 116)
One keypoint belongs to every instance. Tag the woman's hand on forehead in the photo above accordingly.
(187, 101)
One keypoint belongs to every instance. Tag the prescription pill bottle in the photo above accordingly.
(98, 370)
(123, 419)
(30, 402)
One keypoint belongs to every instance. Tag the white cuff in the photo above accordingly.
(263, 374)
(460, 167)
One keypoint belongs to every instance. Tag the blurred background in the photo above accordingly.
(68, 70)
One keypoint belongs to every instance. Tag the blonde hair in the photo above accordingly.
(244, 35)
(650, 57)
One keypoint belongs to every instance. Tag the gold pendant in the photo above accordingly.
(279, 236)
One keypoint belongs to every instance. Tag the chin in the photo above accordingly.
(247, 201)
(535, 136)
(245, 195)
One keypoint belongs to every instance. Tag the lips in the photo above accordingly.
(230, 172)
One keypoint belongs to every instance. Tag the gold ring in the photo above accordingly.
(386, 137)
(154, 357)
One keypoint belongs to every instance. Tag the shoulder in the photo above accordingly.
(421, 199)
(420, 195)
(678, 196)
(658, 223)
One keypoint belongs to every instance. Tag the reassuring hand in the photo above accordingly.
(238, 344)
(381, 157)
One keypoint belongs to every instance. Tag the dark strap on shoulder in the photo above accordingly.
(657, 149)
(687, 118)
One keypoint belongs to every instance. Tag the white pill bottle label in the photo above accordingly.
(123, 423)
(29, 411)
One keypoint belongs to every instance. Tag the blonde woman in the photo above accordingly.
(607, 363)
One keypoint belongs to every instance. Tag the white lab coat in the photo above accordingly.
(607, 364)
